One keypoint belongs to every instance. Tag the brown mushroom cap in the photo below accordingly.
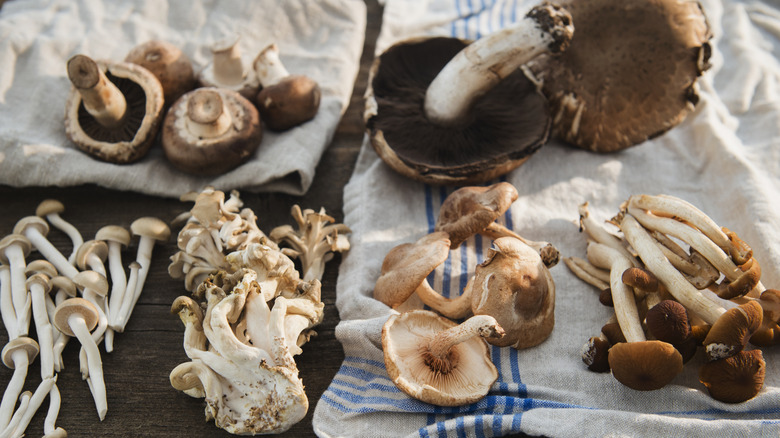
(88, 248)
(168, 63)
(49, 206)
(595, 354)
(646, 365)
(735, 379)
(292, 101)
(629, 74)
(668, 322)
(22, 343)
(113, 233)
(134, 135)
(506, 125)
(469, 210)
(732, 331)
(209, 131)
(77, 306)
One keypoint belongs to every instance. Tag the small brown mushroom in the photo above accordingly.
(114, 109)
(646, 365)
(732, 331)
(734, 379)
(437, 361)
(668, 321)
(285, 100)
(168, 63)
(209, 131)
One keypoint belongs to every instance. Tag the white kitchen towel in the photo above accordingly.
(724, 158)
(322, 39)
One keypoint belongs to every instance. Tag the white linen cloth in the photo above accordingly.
(322, 39)
(724, 158)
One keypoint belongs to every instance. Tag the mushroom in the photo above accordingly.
(595, 352)
(17, 354)
(115, 238)
(35, 230)
(94, 288)
(437, 361)
(209, 131)
(168, 64)
(92, 255)
(477, 115)
(734, 379)
(77, 317)
(471, 210)
(51, 209)
(39, 274)
(732, 331)
(613, 87)
(114, 109)
(285, 100)
(62, 288)
(13, 250)
(7, 311)
(46, 387)
(227, 70)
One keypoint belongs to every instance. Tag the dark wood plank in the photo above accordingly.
(140, 397)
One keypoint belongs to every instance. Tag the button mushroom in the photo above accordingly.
(114, 109)
(168, 64)
(285, 100)
(209, 131)
(438, 361)
(475, 113)
(629, 74)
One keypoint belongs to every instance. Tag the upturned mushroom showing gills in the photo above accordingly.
(209, 131)
(630, 73)
(438, 361)
(114, 109)
(443, 111)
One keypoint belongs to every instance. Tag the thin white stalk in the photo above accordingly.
(50, 253)
(43, 328)
(126, 308)
(43, 389)
(6, 304)
(94, 362)
(20, 297)
(14, 388)
(66, 227)
(10, 427)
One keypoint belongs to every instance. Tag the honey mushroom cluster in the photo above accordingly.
(86, 294)
(210, 120)
(251, 309)
(509, 301)
(677, 282)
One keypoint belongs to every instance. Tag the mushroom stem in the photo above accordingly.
(42, 326)
(29, 228)
(480, 325)
(101, 98)
(20, 361)
(453, 308)
(15, 256)
(485, 62)
(269, 67)
(94, 363)
(6, 303)
(207, 114)
(51, 209)
(126, 308)
(598, 233)
(11, 425)
(43, 389)
(49, 423)
(588, 273)
(228, 67)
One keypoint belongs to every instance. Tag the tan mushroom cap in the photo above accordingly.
(75, 306)
(469, 210)
(151, 227)
(407, 265)
(64, 284)
(14, 239)
(92, 280)
(735, 379)
(22, 343)
(629, 73)
(645, 365)
(40, 267)
(732, 331)
(168, 63)
(292, 101)
(463, 377)
(49, 206)
(31, 222)
(114, 233)
(89, 248)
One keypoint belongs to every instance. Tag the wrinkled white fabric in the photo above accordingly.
(322, 39)
(724, 158)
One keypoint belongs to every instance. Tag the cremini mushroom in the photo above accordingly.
(14, 249)
(612, 88)
(476, 113)
(114, 109)
(438, 361)
(51, 210)
(209, 131)
(227, 70)
(168, 64)
(284, 100)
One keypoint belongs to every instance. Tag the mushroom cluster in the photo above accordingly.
(86, 295)
(679, 283)
(251, 309)
(511, 292)
(210, 120)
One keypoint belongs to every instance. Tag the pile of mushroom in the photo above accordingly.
(65, 296)
(210, 120)
(512, 288)
(677, 281)
(251, 309)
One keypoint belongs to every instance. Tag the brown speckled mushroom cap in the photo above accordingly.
(168, 63)
(132, 136)
(629, 74)
(209, 131)
(508, 124)
(292, 101)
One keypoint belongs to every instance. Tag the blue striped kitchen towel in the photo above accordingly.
(724, 158)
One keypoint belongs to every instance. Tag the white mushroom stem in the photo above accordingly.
(60, 339)
(50, 428)
(43, 328)
(623, 299)
(588, 273)
(128, 302)
(118, 287)
(480, 325)
(675, 282)
(228, 66)
(97, 333)
(101, 98)
(50, 252)
(44, 388)
(19, 295)
(207, 114)
(21, 363)
(66, 227)
(268, 67)
(6, 304)
(598, 233)
(485, 62)
(94, 363)
(13, 423)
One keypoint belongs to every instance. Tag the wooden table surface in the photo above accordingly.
(140, 398)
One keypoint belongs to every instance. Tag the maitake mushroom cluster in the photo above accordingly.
(509, 301)
(251, 310)
(86, 294)
(678, 282)
(210, 121)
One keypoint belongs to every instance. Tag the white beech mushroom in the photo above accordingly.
(35, 230)
(438, 361)
(166, 62)
(612, 88)
(7, 311)
(115, 238)
(51, 209)
(17, 354)
(227, 69)
(13, 251)
(46, 387)
(475, 111)
(38, 283)
(209, 131)
(62, 288)
(285, 100)
(114, 109)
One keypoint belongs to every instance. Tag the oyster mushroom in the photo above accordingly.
(168, 64)
(437, 361)
(475, 112)
(629, 74)
(114, 109)
(209, 131)
(227, 69)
